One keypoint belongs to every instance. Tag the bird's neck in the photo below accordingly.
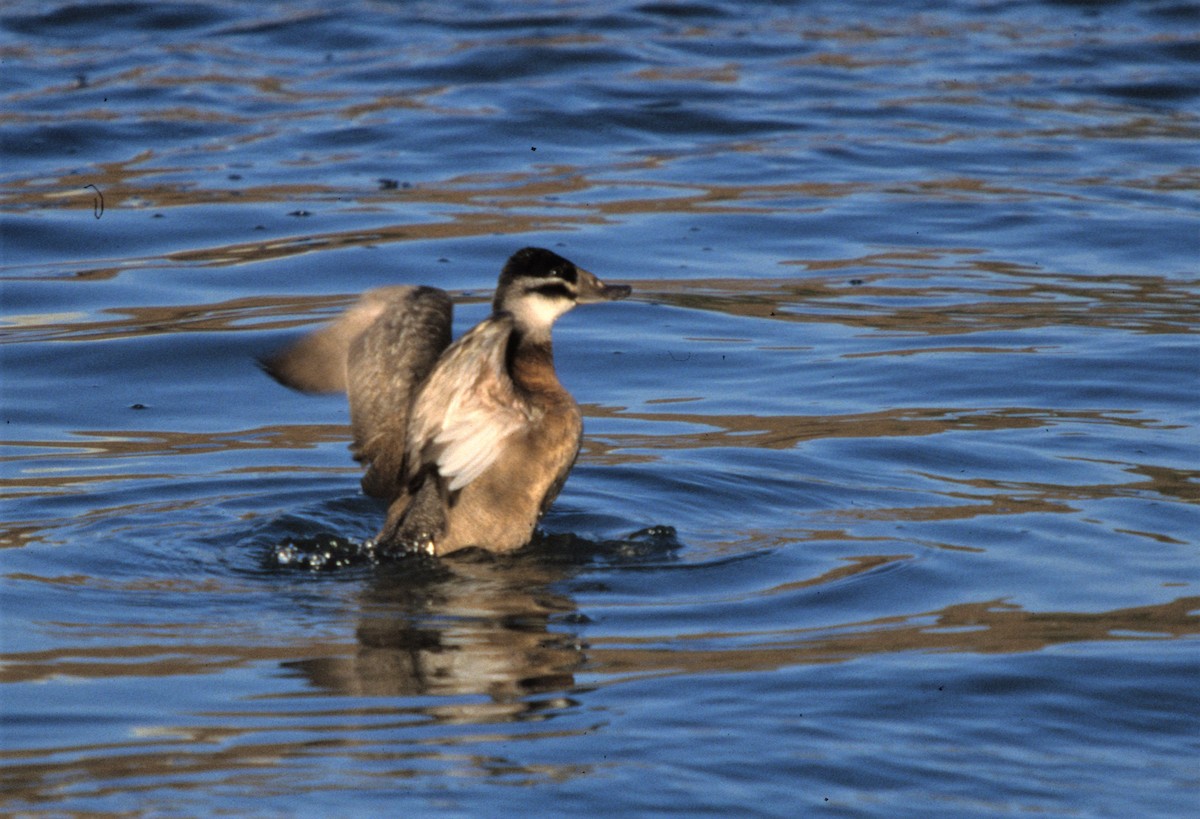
(530, 359)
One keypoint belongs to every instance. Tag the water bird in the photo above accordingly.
(467, 442)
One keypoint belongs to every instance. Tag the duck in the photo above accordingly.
(468, 443)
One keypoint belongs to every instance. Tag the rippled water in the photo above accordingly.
(889, 498)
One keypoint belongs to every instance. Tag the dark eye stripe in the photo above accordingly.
(553, 290)
(566, 273)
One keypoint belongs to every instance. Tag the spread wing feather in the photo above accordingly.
(317, 362)
(386, 365)
(467, 407)
(378, 351)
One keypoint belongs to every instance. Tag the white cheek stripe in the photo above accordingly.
(537, 311)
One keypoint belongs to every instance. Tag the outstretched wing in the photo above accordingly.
(379, 351)
(317, 362)
(467, 407)
(387, 364)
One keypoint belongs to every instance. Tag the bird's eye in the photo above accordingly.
(564, 272)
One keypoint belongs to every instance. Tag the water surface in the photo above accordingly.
(888, 503)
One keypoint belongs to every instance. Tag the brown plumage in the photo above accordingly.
(470, 442)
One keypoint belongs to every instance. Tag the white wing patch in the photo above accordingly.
(469, 440)
(467, 408)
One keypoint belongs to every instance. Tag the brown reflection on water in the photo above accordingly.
(551, 197)
(470, 624)
(483, 626)
(55, 478)
(967, 497)
(486, 629)
(1183, 484)
(253, 750)
(475, 641)
(125, 443)
(558, 191)
(468, 642)
(480, 627)
(989, 627)
(178, 654)
(992, 496)
(936, 292)
(253, 313)
(905, 293)
(786, 431)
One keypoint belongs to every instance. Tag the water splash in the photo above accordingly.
(329, 552)
(322, 553)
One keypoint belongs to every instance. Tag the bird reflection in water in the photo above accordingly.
(475, 623)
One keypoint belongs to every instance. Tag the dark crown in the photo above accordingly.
(559, 274)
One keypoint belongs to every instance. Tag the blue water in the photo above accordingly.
(889, 501)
